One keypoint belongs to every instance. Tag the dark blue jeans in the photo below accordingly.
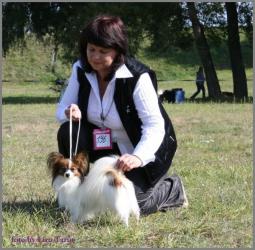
(200, 87)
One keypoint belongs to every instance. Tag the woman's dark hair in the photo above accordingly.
(108, 32)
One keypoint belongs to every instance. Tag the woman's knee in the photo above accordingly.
(148, 207)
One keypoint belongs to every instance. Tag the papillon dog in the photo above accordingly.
(67, 175)
(87, 191)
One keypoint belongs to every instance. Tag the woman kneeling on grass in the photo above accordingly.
(114, 95)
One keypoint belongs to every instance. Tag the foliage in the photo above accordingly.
(165, 23)
(64, 21)
(32, 62)
(213, 14)
(15, 21)
(245, 12)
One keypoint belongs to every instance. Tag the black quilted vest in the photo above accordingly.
(123, 98)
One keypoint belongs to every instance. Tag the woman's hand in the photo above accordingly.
(76, 113)
(127, 162)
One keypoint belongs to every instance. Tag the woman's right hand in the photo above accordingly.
(76, 113)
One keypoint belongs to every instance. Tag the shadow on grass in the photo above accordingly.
(29, 100)
(210, 100)
(28, 206)
(221, 100)
(48, 210)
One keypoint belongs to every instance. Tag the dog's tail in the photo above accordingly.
(115, 177)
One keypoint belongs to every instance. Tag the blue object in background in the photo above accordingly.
(179, 96)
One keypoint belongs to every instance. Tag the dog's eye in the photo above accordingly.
(62, 170)
(72, 169)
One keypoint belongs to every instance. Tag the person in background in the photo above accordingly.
(114, 95)
(200, 79)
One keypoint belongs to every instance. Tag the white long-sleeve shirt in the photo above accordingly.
(146, 103)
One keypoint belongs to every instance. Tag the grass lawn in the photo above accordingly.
(214, 160)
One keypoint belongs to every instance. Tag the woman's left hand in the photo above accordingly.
(127, 162)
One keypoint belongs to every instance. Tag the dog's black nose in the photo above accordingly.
(67, 175)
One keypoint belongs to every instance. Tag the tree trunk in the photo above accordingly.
(54, 58)
(238, 70)
(204, 53)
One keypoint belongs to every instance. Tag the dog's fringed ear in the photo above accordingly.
(82, 160)
(53, 158)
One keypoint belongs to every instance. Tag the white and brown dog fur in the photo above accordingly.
(89, 191)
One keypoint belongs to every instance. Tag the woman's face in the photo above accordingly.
(100, 58)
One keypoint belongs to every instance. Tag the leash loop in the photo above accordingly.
(71, 137)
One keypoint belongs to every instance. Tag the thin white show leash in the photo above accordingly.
(71, 137)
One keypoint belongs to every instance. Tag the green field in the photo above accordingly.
(214, 160)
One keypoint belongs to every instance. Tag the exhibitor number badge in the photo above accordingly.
(102, 139)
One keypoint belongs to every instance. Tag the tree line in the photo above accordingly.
(165, 24)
